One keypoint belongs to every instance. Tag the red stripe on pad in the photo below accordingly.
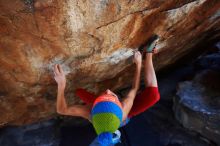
(109, 98)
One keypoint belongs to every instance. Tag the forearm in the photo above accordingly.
(136, 80)
(127, 103)
(61, 102)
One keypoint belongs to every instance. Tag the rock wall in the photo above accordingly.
(93, 40)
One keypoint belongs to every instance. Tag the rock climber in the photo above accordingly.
(107, 112)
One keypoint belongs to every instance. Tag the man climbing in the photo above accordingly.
(106, 112)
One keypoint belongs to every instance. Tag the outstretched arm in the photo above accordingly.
(128, 101)
(62, 107)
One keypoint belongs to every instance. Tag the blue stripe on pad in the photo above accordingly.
(103, 107)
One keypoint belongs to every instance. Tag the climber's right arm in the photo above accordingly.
(75, 110)
(61, 106)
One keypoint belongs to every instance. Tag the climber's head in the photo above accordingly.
(106, 116)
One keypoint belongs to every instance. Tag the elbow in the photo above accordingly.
(61, 111)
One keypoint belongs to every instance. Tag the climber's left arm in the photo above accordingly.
(127, 103)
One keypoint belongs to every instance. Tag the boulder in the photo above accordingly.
(197, 104)
(93, 41)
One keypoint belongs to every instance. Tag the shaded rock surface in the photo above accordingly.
(197, 104)
(39, 134)
(93, 40)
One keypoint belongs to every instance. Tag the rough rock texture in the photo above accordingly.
(197, 105)
(93, 40)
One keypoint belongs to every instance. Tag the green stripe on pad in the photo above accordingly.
(105, 122)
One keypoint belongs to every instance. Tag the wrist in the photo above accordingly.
(61, 86)
(138, 65)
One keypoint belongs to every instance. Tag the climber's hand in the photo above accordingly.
(137, 58)
(59, 76)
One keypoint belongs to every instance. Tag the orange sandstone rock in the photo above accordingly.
(93, 41)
